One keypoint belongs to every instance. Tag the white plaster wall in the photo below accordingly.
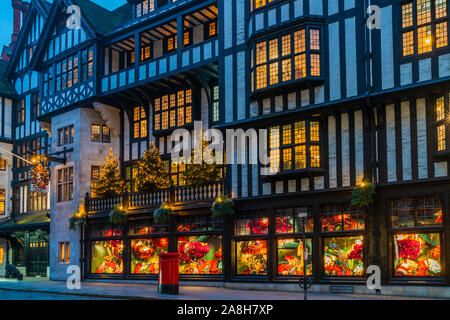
(85, 155)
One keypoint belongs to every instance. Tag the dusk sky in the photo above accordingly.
(6, 17)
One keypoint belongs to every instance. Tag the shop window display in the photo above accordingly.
(251, 257)
(342, 218)
(200, 254)
(417, 255)
(107, 257)
(252, 226)
(343, 256)
(289, 221)
(145, 254)
(290, 257)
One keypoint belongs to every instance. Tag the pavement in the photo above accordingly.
(106, 290)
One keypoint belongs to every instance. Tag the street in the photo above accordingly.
(19, 295)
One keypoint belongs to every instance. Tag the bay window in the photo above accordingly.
(424, 26)
(291, 56)
(173, 110)
(295, 146)
(440, 122)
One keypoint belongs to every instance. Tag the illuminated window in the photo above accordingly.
(87, 64)
(285, 58)
(187, 38)
(2, 164)
(146, 52)
(2, 255)
(211, 29)
(65, 184)
(299, 147)
(215, 105)
(441, 108)
(256, 4)
(100, 133)
(95, 176)
(64, 252)
(421, 24)
(21, 112)
(172, 111)
(65, 135)
(171, 43)
(139, 123)
(2, 202)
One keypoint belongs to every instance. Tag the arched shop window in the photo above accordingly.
(199, 242)
(343, 240)
(417, 231)
(147, 242)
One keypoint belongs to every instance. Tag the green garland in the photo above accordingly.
(162, 214)
(363, 195)
(118, 215)
(222, 206)
(77, 221)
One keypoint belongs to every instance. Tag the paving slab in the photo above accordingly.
(149, 291)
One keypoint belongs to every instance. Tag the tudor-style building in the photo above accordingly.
(343, 104)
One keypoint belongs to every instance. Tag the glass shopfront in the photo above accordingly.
(342, 234)
(417, 233)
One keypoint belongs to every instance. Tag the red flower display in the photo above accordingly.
(143, 249)
(258, 226)
(283, 225)
(356, 253)
(192, 250)
(409, 249)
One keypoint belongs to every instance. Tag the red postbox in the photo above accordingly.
(168, 273)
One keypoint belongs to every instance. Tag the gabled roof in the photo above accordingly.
(40, 6)
(97, 20)
(6, 88)
(102, 20)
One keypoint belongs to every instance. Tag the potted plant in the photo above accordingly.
(78, 220)
(363, 195)
(162, 214)
(118, 215)
(222, 206)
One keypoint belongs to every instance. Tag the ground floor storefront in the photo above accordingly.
(406, 234)
(24, 243)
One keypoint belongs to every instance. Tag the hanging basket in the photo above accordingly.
(162, 214)
(363, 195)
(77, 220)
(118, 215)
(222, 206)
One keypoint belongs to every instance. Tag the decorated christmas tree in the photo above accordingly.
(152, 175)
(110, 183)
(197, 175)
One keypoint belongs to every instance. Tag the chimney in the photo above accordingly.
(20, 10)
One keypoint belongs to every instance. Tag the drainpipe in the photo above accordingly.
(372, 127)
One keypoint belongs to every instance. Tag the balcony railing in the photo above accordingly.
(177, 195)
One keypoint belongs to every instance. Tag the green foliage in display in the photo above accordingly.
(363, 195)
(222, 206)
(118, 215)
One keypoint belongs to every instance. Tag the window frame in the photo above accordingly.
(308, 144)
(414, 28)
(170, 104)
(441, 123)
(67, 137)
(303, 50)
(65, 182)
(64, 252)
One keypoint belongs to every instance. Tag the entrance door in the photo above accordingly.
(38, 251)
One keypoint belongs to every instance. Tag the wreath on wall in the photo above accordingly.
(363, 195)
(162, 215)
(78, 220)
(118, 215)
(222, 206)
